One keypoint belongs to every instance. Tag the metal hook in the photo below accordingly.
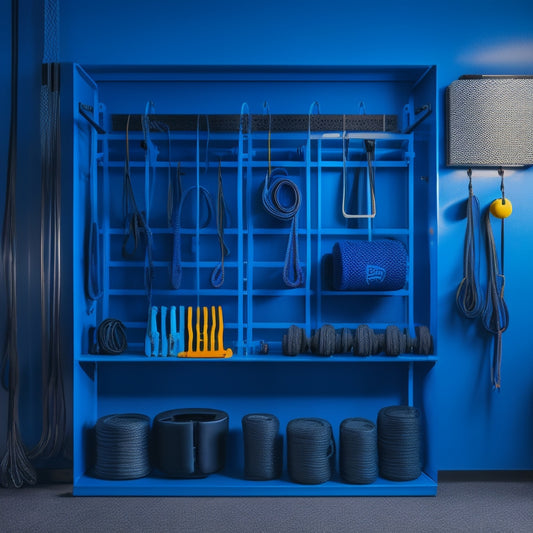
(502, 186)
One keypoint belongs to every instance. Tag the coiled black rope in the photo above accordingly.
(310, 451)
(111, 335)
(358, 451)
(400, 443)
(263, 447)
(15, 467)
(122, 446)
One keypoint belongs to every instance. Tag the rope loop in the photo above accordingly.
(282, 200)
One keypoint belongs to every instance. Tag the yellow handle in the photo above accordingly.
(205, 345)
(220, 329)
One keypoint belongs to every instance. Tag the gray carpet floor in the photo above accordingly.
(461, 505)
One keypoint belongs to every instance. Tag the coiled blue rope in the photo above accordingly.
(282, 199)
(468, 297)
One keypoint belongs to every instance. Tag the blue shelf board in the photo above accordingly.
(256, 358)
(221, 485)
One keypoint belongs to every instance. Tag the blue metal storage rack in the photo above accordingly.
(258, 308)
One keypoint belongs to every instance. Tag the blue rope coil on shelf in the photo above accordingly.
(468, 297)
(358, 451)
(263, 447)
(310, 451)
(282, 200)
(400, 443)
(122, 446)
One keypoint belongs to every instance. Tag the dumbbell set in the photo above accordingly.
(363, 341)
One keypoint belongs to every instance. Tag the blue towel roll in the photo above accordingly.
(379, 265)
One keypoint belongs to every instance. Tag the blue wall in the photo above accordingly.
(477, 428)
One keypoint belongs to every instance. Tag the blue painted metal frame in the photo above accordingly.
(250, 323)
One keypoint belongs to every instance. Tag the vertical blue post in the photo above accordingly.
(250, 241)
(318, 319)
(196, 237)
(410, 380)
(106, 240)
(410, 155)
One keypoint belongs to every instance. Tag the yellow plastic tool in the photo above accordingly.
(204, 339)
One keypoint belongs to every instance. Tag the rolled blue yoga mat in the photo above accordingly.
(379, 265)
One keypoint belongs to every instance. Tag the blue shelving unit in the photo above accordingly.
(258, 307)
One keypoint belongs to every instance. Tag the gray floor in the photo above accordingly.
(478, 505)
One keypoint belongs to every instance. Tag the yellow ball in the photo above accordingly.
(500, 209)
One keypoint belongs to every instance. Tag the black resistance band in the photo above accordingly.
(15, 468)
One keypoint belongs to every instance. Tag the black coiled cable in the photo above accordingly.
(112, 339)
(310, 451)
(122, 446)
(263, 447)
(358, 451)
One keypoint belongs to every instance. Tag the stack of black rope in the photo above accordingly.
(310, 451)
(263, 447)
(358, 451)
(122, 446)
(400, 443)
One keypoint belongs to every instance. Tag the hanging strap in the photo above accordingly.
(135, 225)
(495, 314)
(94, 288)
(217, 276)
(176, 268)
(468, 297)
